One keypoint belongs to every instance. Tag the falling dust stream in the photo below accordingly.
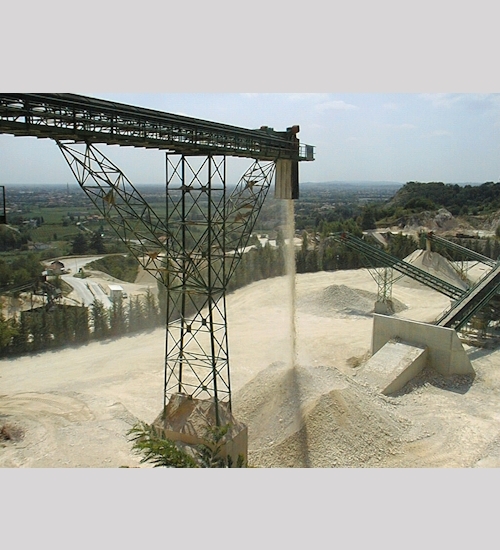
(290, 278)
(292, 360)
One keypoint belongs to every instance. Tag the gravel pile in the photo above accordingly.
(342, 299)
(316, 417)
(435, 264)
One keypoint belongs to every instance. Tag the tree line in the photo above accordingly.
(43, 328)
(50, 328)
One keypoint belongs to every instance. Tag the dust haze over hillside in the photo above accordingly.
(76, 405)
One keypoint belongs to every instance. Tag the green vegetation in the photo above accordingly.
(53, 327)
(162, 452)
(262, 262)
(47, 223)
(120, 266)
(414, 197)
(19, 271)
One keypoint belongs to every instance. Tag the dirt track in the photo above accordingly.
(76, 405)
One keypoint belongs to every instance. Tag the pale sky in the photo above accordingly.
(400, 137)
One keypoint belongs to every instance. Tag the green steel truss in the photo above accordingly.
(192, 253)
(383, 260)
(83, 119)
(121, 205)
(467, 253)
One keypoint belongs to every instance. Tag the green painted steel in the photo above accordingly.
(386, 260)
(77, 118)
(472, 301)
(192, 252)
(466, 252)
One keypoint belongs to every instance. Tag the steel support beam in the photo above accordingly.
(192, 253)
(71, 117)
(207, 233)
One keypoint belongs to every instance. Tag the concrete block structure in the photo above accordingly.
(402, 348)
(394, 365)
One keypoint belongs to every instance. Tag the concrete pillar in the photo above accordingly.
(287, 179)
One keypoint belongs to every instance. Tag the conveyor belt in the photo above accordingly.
(466, 252)
(472, 301)
(85, 119)
(386, 260)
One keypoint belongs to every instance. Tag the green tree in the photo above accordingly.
(80, 324)
(60, 327)
(401, 246)
(151, 313)
(5, 273)
(162, 452)
(20, 340)
(97, 244)
(135, 314)
(8, 331)
(41, 334)
(495, 253)
(280, 239)
(117, 319)
(79, 245)
(368, 219)
(99, 318)
(487, 248)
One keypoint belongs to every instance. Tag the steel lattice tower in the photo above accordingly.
(192, 252)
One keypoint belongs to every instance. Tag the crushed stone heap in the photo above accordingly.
(316, 417)
(342, 299)
(434, 264)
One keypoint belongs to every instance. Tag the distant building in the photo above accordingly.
(115, 292)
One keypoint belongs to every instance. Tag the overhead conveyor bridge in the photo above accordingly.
(386, 260)
(465, 252)
(193, 249)
(82, 119)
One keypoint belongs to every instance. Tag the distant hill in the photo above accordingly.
(366, 183)
(458, 199)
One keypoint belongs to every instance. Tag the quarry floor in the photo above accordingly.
(74, 406)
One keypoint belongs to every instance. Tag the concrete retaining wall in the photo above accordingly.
(445, 351)
(394, 365)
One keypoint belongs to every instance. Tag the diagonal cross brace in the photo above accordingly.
(121, 205)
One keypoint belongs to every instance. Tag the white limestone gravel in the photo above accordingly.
(75, 405)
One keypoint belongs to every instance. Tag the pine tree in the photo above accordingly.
(487, 248)
(151, 313)
(99, 318)
(8, 331)
(135, 314)
(79, 245)
(117, 320)
(97, 244)
(80, 323)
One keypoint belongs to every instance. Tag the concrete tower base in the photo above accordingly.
(384, 307)
(186, 420)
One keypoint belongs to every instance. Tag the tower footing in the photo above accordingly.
(187, 420)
